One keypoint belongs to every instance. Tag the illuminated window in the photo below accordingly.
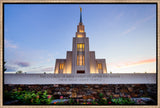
(61, 66)
(99, 66)
(81, 30)
(80, 60)
(80, 35)
(80, 47)
(80, 54)
(83, 61)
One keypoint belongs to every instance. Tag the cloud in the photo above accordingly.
(22, 64)
(122, 65)
(48, 69)
(40, 69)
(129, 30)
(37, 67)
(136, 24)
(119, 16)
(48, 60)
(144, 20)
(11, 68)
(9, 44)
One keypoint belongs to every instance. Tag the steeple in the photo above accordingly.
(80, 28)
(80, 15)
(80, 60)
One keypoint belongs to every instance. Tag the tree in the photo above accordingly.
(4, 67)
(19, 72)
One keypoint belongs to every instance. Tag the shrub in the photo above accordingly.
(123, 101)
(101, 95)
(27, 97)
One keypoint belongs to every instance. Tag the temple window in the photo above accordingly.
(80, 35)
(80, 60)
(80, 47)
(61, 66)
(80, 54)
(99, 66)
(81, 31)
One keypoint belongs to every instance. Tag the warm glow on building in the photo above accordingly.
(61, 66)
(80, 47)
(80, 60)
(81, 31)
(79, 35)
(99, 66)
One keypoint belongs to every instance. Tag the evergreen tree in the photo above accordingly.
(4, 67)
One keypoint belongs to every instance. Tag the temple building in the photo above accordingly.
(80, 60)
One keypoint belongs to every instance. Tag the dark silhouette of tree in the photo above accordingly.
(19, 72)
(4, 67)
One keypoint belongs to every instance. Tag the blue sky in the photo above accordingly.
(36, 34)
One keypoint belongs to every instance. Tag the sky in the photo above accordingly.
(35, 35)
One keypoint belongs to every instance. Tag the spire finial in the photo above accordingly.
(80, 15)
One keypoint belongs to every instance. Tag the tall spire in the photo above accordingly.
(80, 15)
(80, 26)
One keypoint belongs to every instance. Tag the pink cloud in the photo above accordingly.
(138, 62)
(131, 63)
(145, 61)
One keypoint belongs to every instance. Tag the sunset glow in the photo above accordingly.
(35, 35)
(136, 63)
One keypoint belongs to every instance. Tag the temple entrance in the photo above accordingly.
(80, 71)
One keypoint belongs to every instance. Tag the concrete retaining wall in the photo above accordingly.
(80, 79)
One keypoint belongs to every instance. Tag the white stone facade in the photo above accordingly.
(80, 60)
(137, 78)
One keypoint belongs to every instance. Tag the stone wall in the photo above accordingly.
(86, 92)
(80, 79)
